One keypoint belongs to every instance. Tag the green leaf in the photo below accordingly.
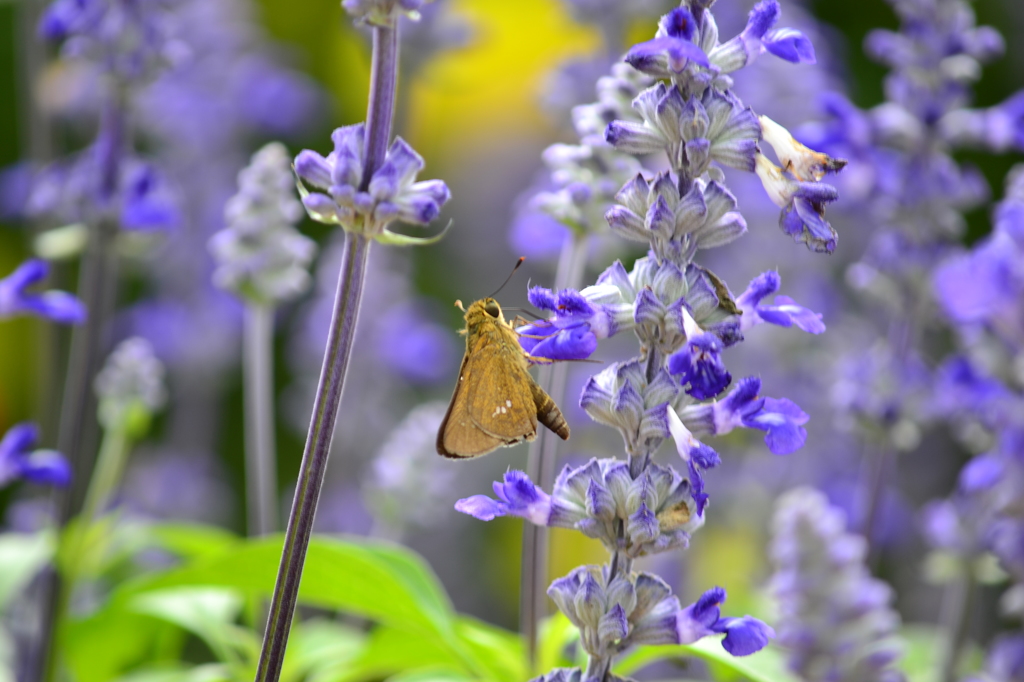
(386, 583)
(22, 556)
(318, 648)
(396, 239)
(766, 665)
(211, 672)
(207, 612)
(432, 675)
(501, 652)
(99, 648)
(193, 541)
(389, 652)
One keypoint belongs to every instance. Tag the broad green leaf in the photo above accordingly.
(389, 652)
(318, 648)
(22, 556)
(378, 581)
(207, 612)
(432, 675)
(101, 647)
(211, 672)
(193, 541)
(766, 665)
(501, 652)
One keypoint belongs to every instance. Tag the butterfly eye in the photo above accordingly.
(492, 309)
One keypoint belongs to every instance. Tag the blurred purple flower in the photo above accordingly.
(19, 461)
(58, 306)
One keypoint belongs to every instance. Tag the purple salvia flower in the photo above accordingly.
(834, 618)
(758, 38)
(19, 461)
(517, 496)
(672, 48)
(802, 204)
(58, 306)
(785, 312)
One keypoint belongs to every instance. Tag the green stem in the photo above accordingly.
(110, 464)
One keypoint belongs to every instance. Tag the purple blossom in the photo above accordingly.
(698, 457)
(803, 206)
(743, 636)
(17, 460)
(671, 50)
(785, 312)
(58, 306)
(517, 496)
(700, 365)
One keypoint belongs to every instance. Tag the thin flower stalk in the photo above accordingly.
(260, 458)
(363, 185)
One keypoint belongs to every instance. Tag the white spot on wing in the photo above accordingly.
(508, 403)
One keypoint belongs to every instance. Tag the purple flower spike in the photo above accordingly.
(57, 306)
(700, 364)
(517, 496)
(785, 312)
(17, 460)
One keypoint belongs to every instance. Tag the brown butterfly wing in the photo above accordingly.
(493, 403)
(458, 436)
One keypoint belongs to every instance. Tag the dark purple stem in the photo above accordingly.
(332, 377)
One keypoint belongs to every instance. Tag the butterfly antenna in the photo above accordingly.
(518, 263)
(529, 313)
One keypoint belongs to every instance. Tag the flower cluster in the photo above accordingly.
(639, 608)
(656, 511)
(58, 306)
(392, 193)
(131, 384)
(834, 618)
(261, 255)
(19, 460)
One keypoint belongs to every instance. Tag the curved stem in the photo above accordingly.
(380, 109)
(260, 459)
(314, 458)
(540, 465)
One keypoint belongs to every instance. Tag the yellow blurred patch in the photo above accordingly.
(730, 557)
(492, 86)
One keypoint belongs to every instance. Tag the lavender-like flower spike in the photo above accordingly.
(58, 306)
(19, 461)
(130, 387)
(392, 193)
(834, 618)
(260, 254)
